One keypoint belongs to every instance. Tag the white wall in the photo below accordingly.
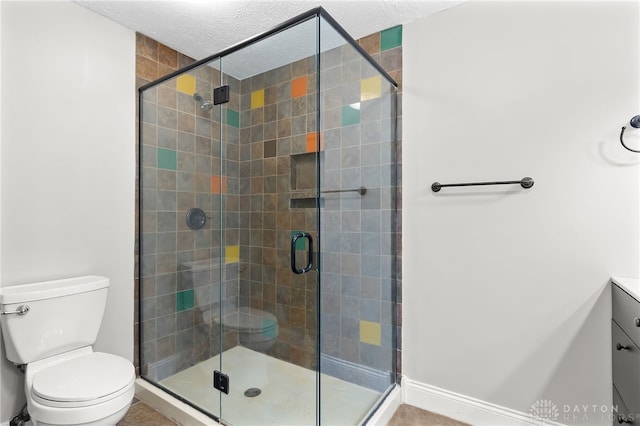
(68, 160)
(505, 290)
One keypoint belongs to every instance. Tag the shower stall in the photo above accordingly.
(268, 230)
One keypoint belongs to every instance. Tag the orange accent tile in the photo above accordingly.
(218, 183)
(312, 140)
(299, 87)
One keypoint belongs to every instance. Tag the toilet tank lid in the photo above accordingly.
(51, 289)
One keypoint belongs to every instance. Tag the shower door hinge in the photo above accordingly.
(221, 381)
(221, 95)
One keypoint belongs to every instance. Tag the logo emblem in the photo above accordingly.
(544, 409)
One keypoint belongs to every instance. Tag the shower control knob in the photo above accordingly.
(636, 321)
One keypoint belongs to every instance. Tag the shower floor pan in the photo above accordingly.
(288, 392)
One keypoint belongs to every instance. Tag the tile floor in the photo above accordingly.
(141, 414)
(407, 415)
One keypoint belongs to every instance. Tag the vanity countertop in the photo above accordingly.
(630, 285)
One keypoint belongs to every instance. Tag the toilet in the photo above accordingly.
(49, 328)
(256, 329)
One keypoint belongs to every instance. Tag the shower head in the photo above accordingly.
(204, 105)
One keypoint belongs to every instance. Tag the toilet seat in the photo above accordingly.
(83, 381)
(251, 321)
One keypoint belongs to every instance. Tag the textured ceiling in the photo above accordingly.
(200, 28)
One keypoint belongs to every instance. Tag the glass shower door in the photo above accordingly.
(269, 184)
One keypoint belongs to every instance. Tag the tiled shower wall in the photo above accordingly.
(275, 106)
(277, 119)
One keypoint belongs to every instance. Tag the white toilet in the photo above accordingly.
(51, 327)
(256, 329)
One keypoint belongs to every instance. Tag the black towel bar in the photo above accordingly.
(525, 182)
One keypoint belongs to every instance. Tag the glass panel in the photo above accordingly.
(358, 255)
(180, 247)
(229, 192)
(269, 314)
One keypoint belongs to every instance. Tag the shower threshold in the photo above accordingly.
(287, 397)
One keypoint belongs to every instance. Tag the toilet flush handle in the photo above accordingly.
(21, 310)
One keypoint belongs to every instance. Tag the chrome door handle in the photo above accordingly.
(620, 346)
(294, 239)
(21, 310)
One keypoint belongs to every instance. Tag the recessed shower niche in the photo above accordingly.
(285, 284)
(304, 180)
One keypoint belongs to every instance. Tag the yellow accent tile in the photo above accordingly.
(231, 254)
(370, 88)
(257, 99)
(370, 332)
(186, 84)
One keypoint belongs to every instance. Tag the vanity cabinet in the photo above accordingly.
(625, 349)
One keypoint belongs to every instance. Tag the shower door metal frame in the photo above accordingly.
(318, 12)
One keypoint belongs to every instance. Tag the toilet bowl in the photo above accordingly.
(50, 328)
(256, 329)
(79, 387)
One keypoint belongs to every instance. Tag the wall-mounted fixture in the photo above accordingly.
(635, 123)
(204, 105)
(525, 182)
(196, 218)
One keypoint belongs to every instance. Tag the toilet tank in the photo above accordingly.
(62, 315)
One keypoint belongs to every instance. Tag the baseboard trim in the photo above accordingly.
(355, 373)
(387, 409)
(464, 408)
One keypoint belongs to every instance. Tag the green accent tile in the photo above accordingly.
(233, 118)
(390, 38)
(271, 333)
(350, 115)
(301, 243)
(167, 159)
(184, 300)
